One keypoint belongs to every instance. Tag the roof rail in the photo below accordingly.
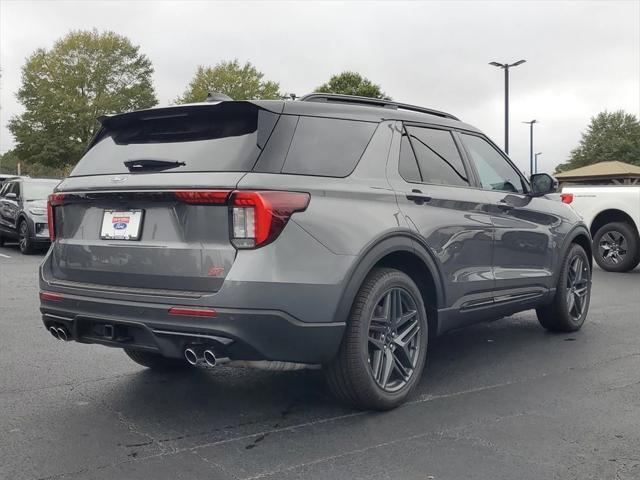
(373, 102)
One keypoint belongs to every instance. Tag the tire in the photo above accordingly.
(616, 247)
(351, 374)
(156, 361)
(24, 238)
(570, 306)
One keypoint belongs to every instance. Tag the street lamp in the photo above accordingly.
(535, 162)
(531, 145)
(506, 67)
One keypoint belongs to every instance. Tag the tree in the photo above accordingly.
(240, 82)
(9, 165)
(352, 83)
(86, 74)
(609, 137)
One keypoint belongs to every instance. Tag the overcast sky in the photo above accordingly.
(582, 57)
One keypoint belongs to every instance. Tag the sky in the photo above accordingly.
(582, 57)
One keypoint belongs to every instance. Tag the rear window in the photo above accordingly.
(220, 138)
(327, 147)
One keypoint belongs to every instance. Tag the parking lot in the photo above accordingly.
(502, 400)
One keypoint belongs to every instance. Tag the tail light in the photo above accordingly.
(566, 197)
(257, 218)
(203, 197)
(54, 200)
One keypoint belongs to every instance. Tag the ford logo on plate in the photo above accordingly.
(120, 226)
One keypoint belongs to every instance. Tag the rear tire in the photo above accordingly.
(615, 247)
(568, 310)
(155, 361)
(384, 348)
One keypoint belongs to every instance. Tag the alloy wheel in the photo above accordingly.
(23, 235)
(394, 339)
(577, 287)
(613, 247)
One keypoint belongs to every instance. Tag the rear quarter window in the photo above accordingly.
(327, 147)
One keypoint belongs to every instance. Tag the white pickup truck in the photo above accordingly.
(612, 214)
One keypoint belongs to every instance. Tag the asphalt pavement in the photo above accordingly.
(501, 400)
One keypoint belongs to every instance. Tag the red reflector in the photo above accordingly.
(566, 197)
(50, 297)
(192, 312)
(203, 197)
(54, 200)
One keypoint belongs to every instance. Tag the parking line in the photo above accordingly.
(4, 256)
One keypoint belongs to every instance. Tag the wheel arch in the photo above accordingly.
(611, 215)
(581, 236)
(400, 250)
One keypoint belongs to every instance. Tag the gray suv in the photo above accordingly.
(23, 212)
(337, 231)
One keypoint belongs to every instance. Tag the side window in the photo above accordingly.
(439, 161)
(3, 189)
(327, 147)
(9, 187)
(493, 169)
(408, 166)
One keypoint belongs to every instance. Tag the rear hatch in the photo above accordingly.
(145, 208)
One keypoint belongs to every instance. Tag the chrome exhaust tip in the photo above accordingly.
(62, 334)
(54, 332)
(210, 358)
(194, 356)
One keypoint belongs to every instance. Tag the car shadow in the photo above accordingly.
(207, 405)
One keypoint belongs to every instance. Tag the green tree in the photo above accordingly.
(9, 164)
(86, 74)
(240, 82)
(352, 83)
(611, 136)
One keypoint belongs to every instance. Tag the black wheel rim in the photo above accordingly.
(23, 236)
(577, 287)
(395, 336)
(613, 247)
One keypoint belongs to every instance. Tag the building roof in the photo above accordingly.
(602, 169)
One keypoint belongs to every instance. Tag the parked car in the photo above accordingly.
(612, 214)
(340, 231)
(23, 212)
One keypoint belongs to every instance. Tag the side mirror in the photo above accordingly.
(542, 184)
(11, 196)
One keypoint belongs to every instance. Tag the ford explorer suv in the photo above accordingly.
(336, 231)
(23, 212)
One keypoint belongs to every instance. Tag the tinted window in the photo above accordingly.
(493, 169)
(222, 137)
(438, 156)
(38, 190)
(327, 147)
(408, 164)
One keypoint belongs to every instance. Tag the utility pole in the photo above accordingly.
(535, 162)
(506, 67)
(531, 123)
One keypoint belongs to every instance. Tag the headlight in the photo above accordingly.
(38, 211)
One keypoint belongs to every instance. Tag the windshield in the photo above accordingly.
(39, 190)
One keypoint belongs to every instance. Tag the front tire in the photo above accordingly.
(568, 310)
(155, 361)
(24, 239)
(616, 247)
(384, 348)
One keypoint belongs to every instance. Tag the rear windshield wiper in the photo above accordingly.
(146, 165)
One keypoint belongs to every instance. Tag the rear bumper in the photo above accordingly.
(239, 334)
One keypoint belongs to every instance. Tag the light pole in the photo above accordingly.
(531, 145)
(535, 162)
(505, 67)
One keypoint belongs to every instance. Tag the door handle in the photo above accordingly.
(418, 197)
